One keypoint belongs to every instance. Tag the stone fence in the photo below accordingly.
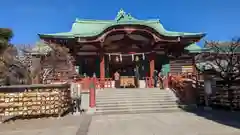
(34, 100)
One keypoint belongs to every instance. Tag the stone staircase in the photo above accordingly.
(111, 101)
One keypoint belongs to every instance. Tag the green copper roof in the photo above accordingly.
(194, 48)
(90, 28)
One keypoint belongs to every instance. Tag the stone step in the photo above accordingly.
(123, 92)
(130, 89)
(130, 104)
(134, 91)
(141, 110)
(133, 94)
(133, 101)
(135, 98)
(135, 107)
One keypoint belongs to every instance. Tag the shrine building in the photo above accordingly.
(126, 44)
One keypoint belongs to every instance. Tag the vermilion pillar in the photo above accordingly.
(92, 99)
(152, 63)
(102, 66)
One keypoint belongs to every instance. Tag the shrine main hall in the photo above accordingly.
(127, 45)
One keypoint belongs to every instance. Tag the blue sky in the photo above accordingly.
(218, 18)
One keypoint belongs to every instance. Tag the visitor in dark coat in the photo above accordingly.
(155, 78)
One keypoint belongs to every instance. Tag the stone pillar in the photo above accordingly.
(152, 63)
(102, 66)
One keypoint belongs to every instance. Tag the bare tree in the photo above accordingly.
(222, 59)
(55, 59)
(62, 61)
(12, 70)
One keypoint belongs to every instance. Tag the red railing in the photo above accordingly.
(99, 83)
(183, 86)
(150, 82)
(104, 83)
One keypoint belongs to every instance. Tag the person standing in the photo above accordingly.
(117, 79)
(136, 77)
(160, 76)
(94, 75)
(155, 78)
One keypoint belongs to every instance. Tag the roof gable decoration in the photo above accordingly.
(123, 16)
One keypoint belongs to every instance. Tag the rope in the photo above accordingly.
(120, 54)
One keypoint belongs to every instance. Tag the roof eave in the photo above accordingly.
(54, 36)
(194, 35)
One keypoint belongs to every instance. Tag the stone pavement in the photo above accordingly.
(176, 123)
(67, 125)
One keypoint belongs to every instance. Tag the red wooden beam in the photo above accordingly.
(102, 37)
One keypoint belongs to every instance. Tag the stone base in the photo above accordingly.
(77, 113)
(91, 110)
(142, 84)
(85, 101)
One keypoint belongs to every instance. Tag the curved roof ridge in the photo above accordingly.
(92, 20)
(113, 21)
(91, 27)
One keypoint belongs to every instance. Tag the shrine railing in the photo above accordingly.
(99, 83)
(34, 100)
(190, 90)
(161, 82)
(185, 86)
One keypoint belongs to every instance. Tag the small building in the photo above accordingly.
(127, 44)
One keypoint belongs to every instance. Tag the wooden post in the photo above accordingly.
(152, 68)
(152, 64)
(92, 87)
(102, 66)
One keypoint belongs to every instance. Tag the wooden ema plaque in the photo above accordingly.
(127, 81)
